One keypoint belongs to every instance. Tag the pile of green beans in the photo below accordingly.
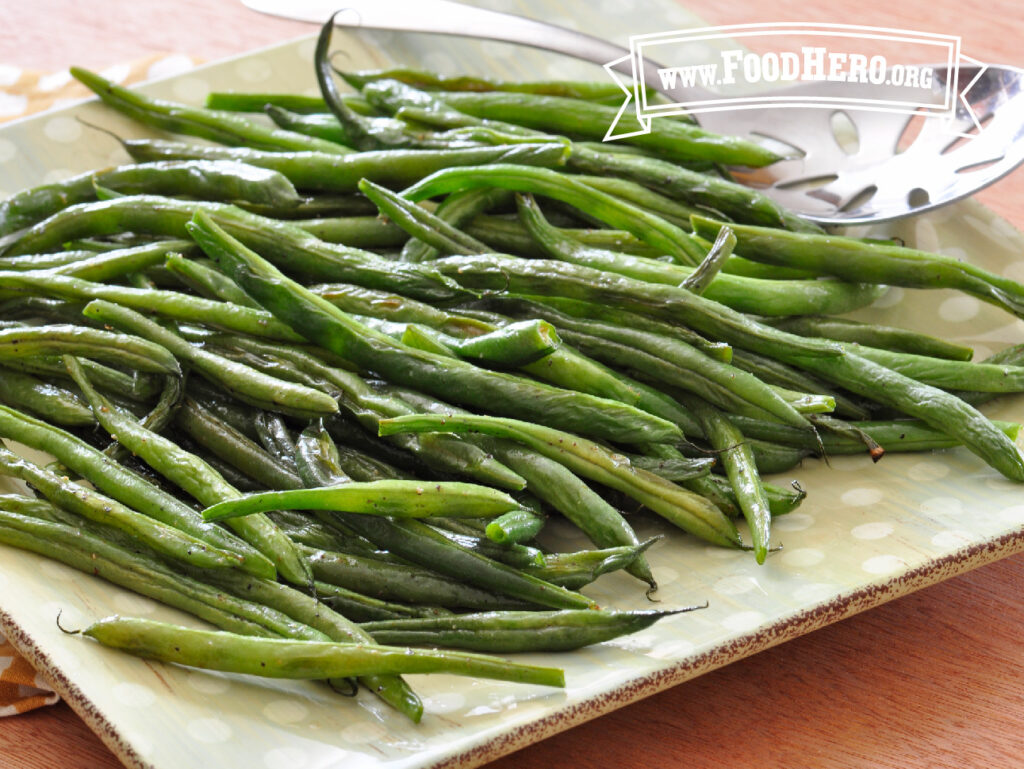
(324, 431)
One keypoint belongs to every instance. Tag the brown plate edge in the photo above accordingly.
(806, 621)
(930, 573)
(69, 691)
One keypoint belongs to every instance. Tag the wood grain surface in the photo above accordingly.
(934, 679)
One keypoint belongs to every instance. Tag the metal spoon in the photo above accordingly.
(830, 179)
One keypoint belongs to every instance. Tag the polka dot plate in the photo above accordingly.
(866, 533)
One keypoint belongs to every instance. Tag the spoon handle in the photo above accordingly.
(444, 17)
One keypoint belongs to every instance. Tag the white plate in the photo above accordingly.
(865, 534)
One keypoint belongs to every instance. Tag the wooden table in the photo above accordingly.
(934, 679)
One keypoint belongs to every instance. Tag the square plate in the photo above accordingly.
(864, 535)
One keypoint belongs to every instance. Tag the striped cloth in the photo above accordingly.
(21, 688)
(22, 93)
(25, 92)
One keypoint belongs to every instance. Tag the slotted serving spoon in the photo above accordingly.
(858, 177)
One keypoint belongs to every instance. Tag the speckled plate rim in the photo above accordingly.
(868, 595)
(745, 645)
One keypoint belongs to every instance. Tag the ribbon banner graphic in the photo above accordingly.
(835, 66)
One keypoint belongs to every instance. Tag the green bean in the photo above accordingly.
(241, 381)
(24, 391)
(213, 400)
(234, 101)
(420, 108)
(944, 373)
(564, 367)
(420, 544)
(775, 373)
(170, 304)
(233, 476)
(874, 335)
(575, 570)
(324, 324)
(568, 312)
(400, 582)
(419, 223)
(515, 526)
(94, 506)
(125, 486)
(457, 209)
(283, 658)
(94, 555)
(508, 236)
(429, 81)
(673, 468)
(590, 460)
(356, 300)
(322, 172)
(707, 270)
(302, 251)
(35, 309)
(557, 486)
(741, 293)
(512, 554)
(898, 435)
(737, 201)
(363, 467)
(939, 409)
(43, 261)
(204, 179)
(320, 465)
(780, 500)
(136, 387)
(234, 448)
(512, 346)
(205, 484)
(318, 125)
(138, 213)
(118, 262)
(445, 455)
(541, 181)
(218, 126)
(403, 499)
(320, 533)
(159, 416)
(587, 120)
(363, 608)
(314, 207)
(806, 403)
(860, 260)
(311, 611)
(119, 349)
(208, 281)
(675, 362)
(507, 632)
(275, 437)
(672, 211)
(358, 131)
(541, 277)
(356, 231)
(738, 460)
(308, 256)
(771, 458)
(105, 552)
(389, 132)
